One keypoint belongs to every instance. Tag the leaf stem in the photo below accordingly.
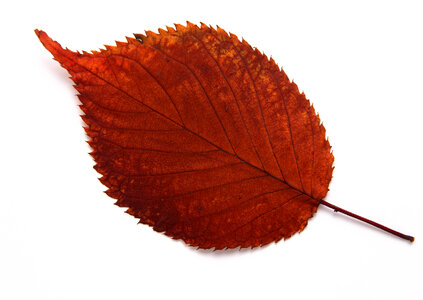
(346, 212)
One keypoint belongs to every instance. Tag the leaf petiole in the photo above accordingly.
(346, 212)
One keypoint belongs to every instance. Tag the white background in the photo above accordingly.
(361, 65)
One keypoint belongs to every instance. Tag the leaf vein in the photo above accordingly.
(204, 92)
(289, 124)
(156, 80)
(260, 108)
(234, 98)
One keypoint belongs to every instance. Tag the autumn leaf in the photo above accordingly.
(201, 136)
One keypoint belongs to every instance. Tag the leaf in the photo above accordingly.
(201, 136)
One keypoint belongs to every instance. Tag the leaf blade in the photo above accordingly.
(180, 121)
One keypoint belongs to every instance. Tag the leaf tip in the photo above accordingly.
(179, 27)
(170, 29)
(162, 31)
(130, 40)
(191, 25)
(152, 35)
(233, 36)
(203, 25)
(43, 37)
(120, 44)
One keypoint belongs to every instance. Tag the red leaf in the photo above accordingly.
(201, 136)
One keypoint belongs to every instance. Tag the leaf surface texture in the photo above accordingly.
(201, 136)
